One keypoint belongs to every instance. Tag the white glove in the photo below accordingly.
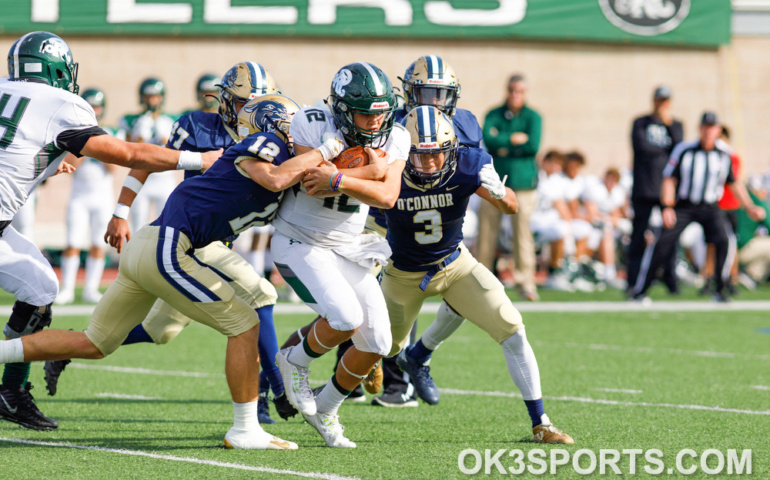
(332, 145)
(491, 181)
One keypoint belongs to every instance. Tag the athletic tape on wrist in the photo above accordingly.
(189, 161)
(133, 184)
(121, 211)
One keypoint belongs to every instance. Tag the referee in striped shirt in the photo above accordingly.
(693, 182)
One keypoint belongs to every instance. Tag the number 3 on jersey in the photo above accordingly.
(433, 230)
(265, 151)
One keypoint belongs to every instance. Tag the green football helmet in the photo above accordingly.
(45, 58)
(362, 88)
(204, 87)
(96, 99)
(150, 87)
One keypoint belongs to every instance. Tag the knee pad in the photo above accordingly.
(27, 319)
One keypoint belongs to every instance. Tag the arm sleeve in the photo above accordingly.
(73, 141)
(74, 123)
(639, 141)
(673, 167)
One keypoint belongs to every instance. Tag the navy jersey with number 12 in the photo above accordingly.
(225, 201)
(427, 225)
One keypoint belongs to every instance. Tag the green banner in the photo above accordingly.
(673, 22)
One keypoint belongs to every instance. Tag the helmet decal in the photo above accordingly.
(435, 68)
(341, 80)
(55, 46)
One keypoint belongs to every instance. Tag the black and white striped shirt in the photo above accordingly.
(701, 175)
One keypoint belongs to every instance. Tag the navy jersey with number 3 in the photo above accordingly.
(225, 201)
(427, 225)
(199, 132)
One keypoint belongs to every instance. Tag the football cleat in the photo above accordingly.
(17, 405)
(263, 411)
(295, 381)
(243, 440)
(284, 408)
(420, 377)
(558, 281)
(373, 381)
(547, 433)
(395, 399)
(328, 425)
(53, 370)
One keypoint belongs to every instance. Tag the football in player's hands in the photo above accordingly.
(355, 157)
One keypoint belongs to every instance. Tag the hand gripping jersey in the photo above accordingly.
(332, 221)
(200, 132)
(225, 200)
(427, 225)
(38, 126)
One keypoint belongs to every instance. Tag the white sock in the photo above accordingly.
(330, 399)
(610, 272)
(298, 357)
(257, 260)
(94, 271)
(245, 416)
(522, 365)
(69, 272)
(11, 351)
(445, 324)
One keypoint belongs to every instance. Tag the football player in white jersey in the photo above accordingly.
(150, 126)
(320, 251)
(89, 210)
(41, 119)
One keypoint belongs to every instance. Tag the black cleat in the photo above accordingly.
(18, 406)
(263, 411)
(285, 409)
(420, 377)
(395, 398)
(52, 371)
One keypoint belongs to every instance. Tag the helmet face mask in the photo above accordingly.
(149, 90)
(242, 83)
(207, 90)
(362, 88)
(432, 134)
(431, 81)
(269, 114)
(43, 57)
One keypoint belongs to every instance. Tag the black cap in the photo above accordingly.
(709, 118)
(662, 93)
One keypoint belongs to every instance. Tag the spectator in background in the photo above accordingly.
(512, 136)
(653, 138)
(754, 249)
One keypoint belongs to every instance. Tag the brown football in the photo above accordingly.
(354, 157)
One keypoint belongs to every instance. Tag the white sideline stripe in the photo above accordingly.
(601, 401)
(125, 396)
(145, 371)
(432, 307)
(760, 387)
(213, 463)
(618, 390)
(679, 351)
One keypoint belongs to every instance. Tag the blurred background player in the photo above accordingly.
(153, 126)
(89, 210)
(207, 93)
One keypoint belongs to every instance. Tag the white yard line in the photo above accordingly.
(125, 396)
(213, 463)
(144, 371)
(618, 390)
(677, 351)
(760, 387)
(432, 307)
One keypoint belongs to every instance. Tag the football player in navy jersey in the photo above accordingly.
(425, 235)
(242, 189)
(200, 131)
(431, 81)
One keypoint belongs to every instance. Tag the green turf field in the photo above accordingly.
(653, 372)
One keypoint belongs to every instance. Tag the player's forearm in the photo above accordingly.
(140, 156)
(564, 212)
(668, 192)
(290, 172)
(131, 186)
(742, 195)
(508, 205)
(371, 192)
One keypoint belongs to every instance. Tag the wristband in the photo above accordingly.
(342, 179)
(121, 211)
(337, 182)
(133, 184)
(189, 161)
(331, 181)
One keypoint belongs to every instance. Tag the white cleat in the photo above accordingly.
(295, 381)
(328, 425)
(65, 297)
(91, 297)
(244, 440)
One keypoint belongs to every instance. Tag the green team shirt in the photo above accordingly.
(516, 161)
(746, 226)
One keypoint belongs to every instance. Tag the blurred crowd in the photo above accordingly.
(574, 231)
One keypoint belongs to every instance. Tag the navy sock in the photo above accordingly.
(419, 352)
(138, 335)
(16, 374)
(268, 348)
(535, 409)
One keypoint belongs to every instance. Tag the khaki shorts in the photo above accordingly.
(154, 265)
(164, 322)
(466, 285)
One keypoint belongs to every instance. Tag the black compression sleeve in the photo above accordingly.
(74, 140)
